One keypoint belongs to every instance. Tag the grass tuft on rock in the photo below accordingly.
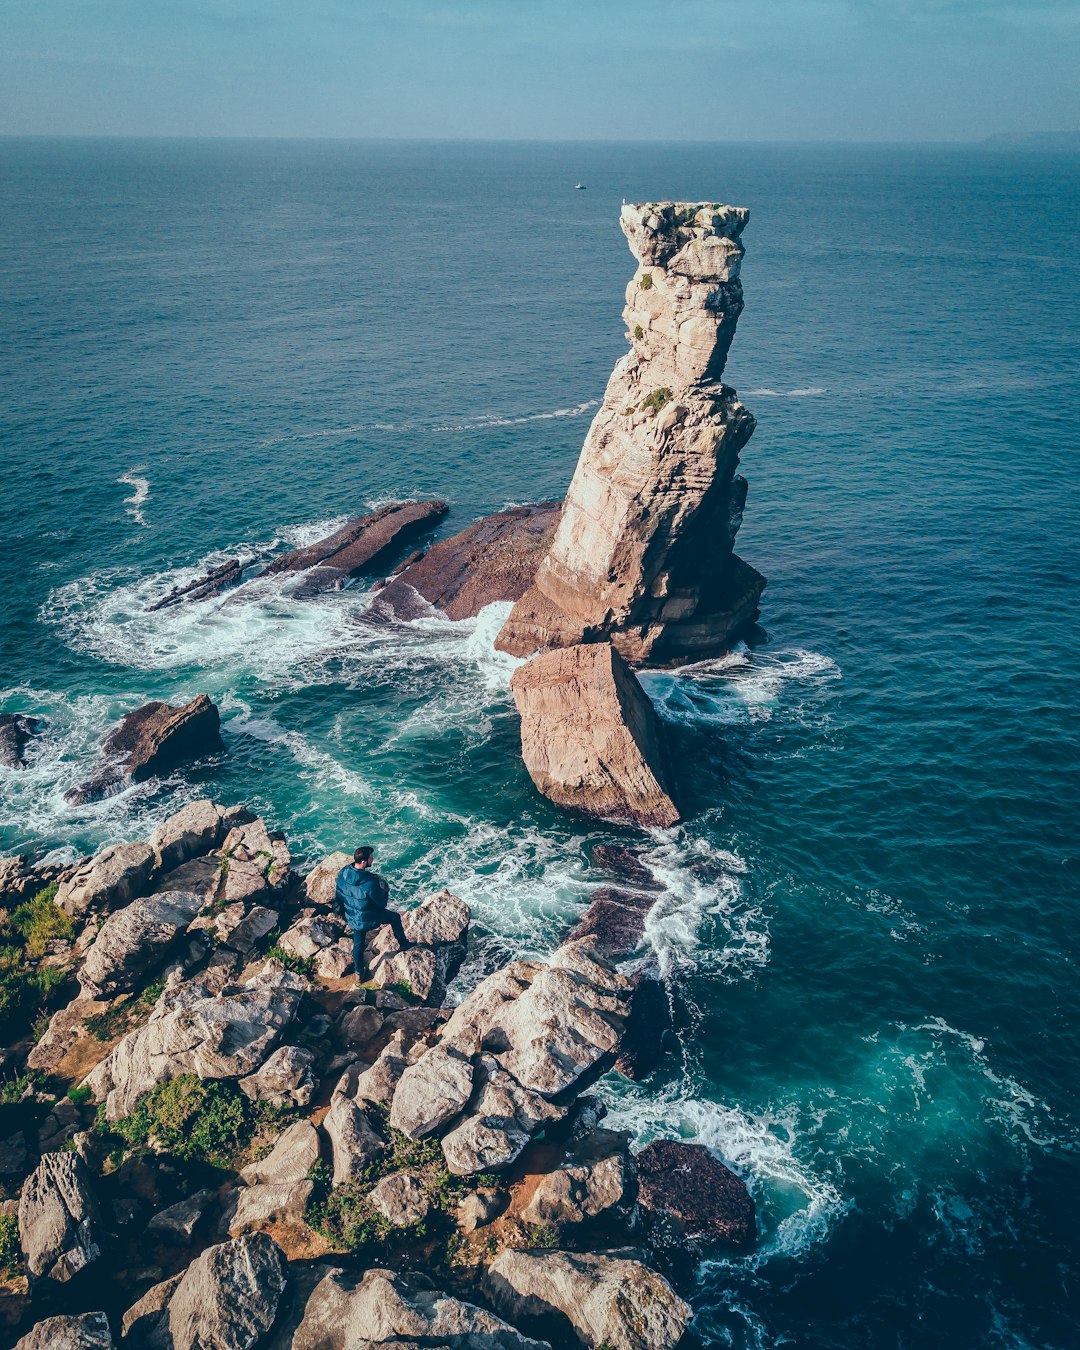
(657, 399)
(10, 1250)
(26, 988)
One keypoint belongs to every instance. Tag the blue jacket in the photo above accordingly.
(361, 895)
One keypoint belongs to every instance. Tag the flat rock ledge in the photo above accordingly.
(591, 739)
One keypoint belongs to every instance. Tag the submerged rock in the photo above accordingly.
(150, 740)
(212, 583)
(16, 733)
(643, 550)
(591, 739)
(491, 560)
(607, 1300)
(685, 1184)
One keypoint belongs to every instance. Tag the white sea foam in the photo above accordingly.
(739, 687)
(811, 391)
(135, 502)
(477, 423)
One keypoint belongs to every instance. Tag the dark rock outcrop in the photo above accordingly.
(151, 740)
(648, 1022)
(363, 545)
(215, 581)
(493, 559)
(617, 919)
(642, 555)
(591, 739)
(685, 1185)
(16, 733)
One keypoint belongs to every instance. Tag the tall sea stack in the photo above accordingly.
(642, 555)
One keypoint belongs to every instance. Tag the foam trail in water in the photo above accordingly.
(134, 503)
(736, 688)
(811, 391)
(465, 424)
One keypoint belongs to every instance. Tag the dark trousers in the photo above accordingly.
(393, 918)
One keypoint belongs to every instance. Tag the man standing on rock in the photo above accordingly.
(362, 895)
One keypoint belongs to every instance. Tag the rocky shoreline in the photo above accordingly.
(217, 1138)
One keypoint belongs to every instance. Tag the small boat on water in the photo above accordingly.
(580, 187)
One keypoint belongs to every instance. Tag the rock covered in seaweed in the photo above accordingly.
(642, 554)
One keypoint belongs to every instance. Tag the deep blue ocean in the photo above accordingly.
(213, 347)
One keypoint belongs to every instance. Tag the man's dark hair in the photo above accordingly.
(363, 855)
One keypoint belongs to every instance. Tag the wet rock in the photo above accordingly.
(431, 1092)
(273, 1202)
(607, 1300)
(642, 554)
(384, 1308)
(87, 1331)
(617, 919)
(400, 1199)
(362, 546)
(110, 879)
(227, 1297)
(494, 559)
(134, 940)
(285, 1080)
(291, 1159)
(352, 1139)
(228, 1035)
(16, 733)
(648, 1022)
(177, 1223)
(218, 579)
(591, 739)
(625, 865)
(685, 1183)
(151, 740)
(59, 1226)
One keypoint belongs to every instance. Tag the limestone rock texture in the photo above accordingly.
(88, 1331)
(642, 554)
(591, 739)
(227, 1297)
(59, 1227)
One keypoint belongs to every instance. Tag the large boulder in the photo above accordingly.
(110, 879)
(400, 1199)
(362, 546)
(134, 940)
(16, 733)
(272, 1203)
(291, 1159)
(227, 1298)
(150, 741)
(86, 1331)
(320, 884)
(500, 1120)
(225, 1035)
(617, 919)
(607, 1300)
(685, 1185)
(438, 929)
(387, 1309)
(590, 738)
(192, 832)
(580, 1189)
(59, 1226)
(431, 1092)
(285, 1080)
(494, 559)
(352, 1138)
(642, 554)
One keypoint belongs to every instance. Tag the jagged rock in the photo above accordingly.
(591, 739)
(62, 1123)
(577, 1191)
(607, 1300)
(363, 545)
(291, 1159)
(177, 1223)
(87, 1331)
(253, 862)
(150, 740)
(335, 962)
(361, 1024)
(16, 733)
(311, 933)
(285, 1080)
(227, 1297)
(642, 554)
(192, 832)
(500, 1121)
(110, 879)
(491, 560)
(617, 918)
(478, 1209)
(705, 1199)
(134, 940)
(354, 1142)
(378, 1083)
(218, 579)
(384, 1308)
(273, 1202)
(431, 1092)
(146, 1313)
(66, 1026)
(648, 1021)
(251, 928)
(320, 885)
(438, 927)
(19, 880)
(59, 1227)
(565, 1023)
(625, 865)
(400, 1199)
(228, 1035)
(472, 1018)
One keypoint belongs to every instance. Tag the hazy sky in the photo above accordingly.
(604, 69)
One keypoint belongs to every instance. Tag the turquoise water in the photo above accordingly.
(211, 347)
